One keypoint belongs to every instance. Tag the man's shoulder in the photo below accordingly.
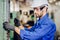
(49, 21)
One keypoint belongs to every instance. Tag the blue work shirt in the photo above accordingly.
(43, 29)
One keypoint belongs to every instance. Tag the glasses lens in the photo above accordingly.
(42, 7)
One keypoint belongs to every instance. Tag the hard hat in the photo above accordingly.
(37, 3)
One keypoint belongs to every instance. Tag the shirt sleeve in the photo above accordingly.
(37, 33)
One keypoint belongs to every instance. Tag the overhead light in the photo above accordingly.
(54, 0)
(50, 1)
(57, 3)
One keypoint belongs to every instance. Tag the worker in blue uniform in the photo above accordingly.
(43, 29)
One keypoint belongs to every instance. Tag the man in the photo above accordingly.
(43, 29)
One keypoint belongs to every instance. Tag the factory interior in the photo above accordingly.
(11, 9)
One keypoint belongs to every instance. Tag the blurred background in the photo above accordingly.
(11, 9)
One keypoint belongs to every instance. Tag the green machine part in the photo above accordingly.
(3, 35)
(12, 23)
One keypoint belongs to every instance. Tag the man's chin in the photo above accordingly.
(37, 16)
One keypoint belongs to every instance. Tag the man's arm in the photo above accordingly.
(17, 30)
(37, 33)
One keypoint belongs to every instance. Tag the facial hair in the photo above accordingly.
(40, 15)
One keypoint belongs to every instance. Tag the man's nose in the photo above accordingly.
(34, 11)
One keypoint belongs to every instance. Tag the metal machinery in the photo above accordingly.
(4, 16)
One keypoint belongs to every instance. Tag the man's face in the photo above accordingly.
(38, 11)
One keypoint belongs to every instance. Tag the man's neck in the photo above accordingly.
(43, 15)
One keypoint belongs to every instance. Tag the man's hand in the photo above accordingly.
(7, 26)
(21, 27)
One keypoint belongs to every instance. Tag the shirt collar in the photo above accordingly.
(43, 18)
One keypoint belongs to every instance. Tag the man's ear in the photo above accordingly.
(44, 9)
